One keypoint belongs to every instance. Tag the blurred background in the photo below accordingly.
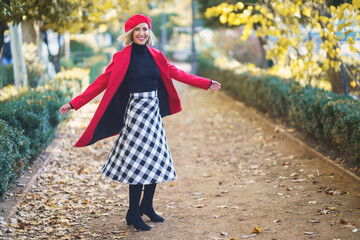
(295, 60)
(320, 37)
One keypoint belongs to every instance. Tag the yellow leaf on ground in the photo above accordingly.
(257, 230)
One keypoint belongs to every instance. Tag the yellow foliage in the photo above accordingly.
(74, 80)
(353, 84)
(281, 19)
(11, 91)
(240, 6)
(306, 12)
(223, 18)
(350, 40)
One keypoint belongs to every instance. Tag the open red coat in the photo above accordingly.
(108, 118)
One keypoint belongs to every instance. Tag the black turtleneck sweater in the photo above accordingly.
(143, 74)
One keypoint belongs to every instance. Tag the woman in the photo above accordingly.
(139, 92)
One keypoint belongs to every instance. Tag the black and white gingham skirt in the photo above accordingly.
(140, 155)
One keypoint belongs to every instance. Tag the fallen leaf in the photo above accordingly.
(343, 221)
(257, 230)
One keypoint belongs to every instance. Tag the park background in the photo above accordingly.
(296, 61)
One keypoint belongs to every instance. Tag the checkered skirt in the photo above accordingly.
(140, 155)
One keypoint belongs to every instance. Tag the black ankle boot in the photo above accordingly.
(150, 213)
(135, 220)
(133, 215)
(146, 206)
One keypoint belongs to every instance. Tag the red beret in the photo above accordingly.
(135, 20)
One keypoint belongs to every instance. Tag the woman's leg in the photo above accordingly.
(133, 216)
(146, 206)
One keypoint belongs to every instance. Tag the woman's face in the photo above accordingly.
(141, 33)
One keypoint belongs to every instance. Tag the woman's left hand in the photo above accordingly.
(215, 85)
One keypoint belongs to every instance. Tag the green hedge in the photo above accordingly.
(28, 120)
(323, 115)
(15, 151)
(27, 125)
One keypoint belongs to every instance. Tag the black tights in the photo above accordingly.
(146, 206)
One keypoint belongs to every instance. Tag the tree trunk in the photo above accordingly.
(334, 76)
(67, 45)
(2, 30)
(16, 43)
(28, 32)
(263, 53)
(335, 80)
(344, 78)
(58, 56)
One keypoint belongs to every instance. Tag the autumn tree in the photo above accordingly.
(10, 11)
(291, 24)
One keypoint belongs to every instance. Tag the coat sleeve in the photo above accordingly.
(188, 78)
(94, 89)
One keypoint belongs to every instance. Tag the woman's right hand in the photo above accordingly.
(64, 109)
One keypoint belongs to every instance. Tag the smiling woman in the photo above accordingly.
(139, 92)
(135, 33)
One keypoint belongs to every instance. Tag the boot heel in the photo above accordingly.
(137, 222)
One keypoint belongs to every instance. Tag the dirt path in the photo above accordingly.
(234, 174)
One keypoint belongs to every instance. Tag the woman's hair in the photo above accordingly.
(127, 38)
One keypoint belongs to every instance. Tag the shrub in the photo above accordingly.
(73, 81)
(36, 113)
(323, 115)
(28, 120)
(27, 124)
(14, 154)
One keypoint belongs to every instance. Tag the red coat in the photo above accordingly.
(108, 118)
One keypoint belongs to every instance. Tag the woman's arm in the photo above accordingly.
(94, 89)
(188, 78)
(192, 79)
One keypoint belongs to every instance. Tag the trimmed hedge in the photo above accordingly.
(15, 151)
(28, 121)
(328, 117)
(27, 125)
